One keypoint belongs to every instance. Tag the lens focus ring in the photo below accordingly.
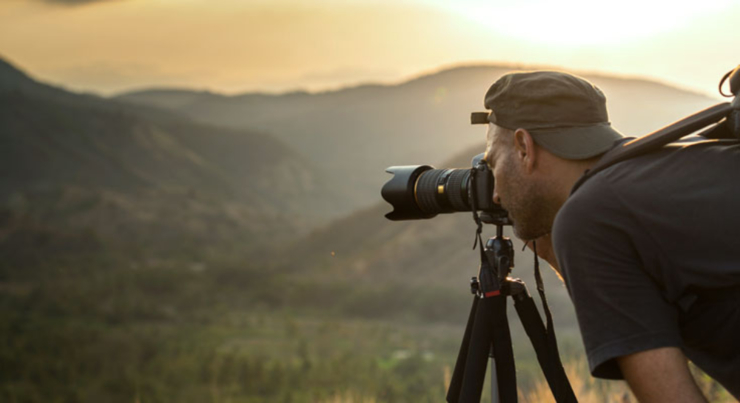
(457, 189)
(426, 191)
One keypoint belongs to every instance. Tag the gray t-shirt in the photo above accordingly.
(650, 252)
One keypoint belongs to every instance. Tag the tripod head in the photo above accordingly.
(497, 259)
(500, 251)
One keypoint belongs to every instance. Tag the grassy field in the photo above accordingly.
(104, 329)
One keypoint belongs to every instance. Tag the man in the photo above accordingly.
(648, 248)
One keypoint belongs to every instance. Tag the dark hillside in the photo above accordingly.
(74, 162)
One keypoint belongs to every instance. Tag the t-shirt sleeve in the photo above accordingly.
(620, 308)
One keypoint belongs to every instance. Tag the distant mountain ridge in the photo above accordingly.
(355, 133)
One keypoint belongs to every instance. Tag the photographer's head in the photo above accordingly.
(544, 129)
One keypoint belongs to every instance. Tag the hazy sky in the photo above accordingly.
(232, 46)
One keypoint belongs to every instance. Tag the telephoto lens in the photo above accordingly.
(420, 191)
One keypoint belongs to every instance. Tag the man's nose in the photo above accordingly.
(496, 198)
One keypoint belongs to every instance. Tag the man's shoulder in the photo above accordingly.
(590, 219)
(645, 182)
(675, 163)
(592, 201)
(647, 197)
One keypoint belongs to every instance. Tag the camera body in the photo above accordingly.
(420, 191)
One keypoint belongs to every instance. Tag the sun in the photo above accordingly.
(583, 22)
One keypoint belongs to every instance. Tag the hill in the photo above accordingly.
(130, 173)
(355, 133)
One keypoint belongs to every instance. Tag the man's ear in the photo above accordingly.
(525, 149)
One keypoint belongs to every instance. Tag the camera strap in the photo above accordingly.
(550, 329)
(543, 337)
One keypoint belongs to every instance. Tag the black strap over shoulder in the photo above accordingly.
(656, 140)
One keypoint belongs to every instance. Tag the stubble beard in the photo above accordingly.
(529, 208)
(531, 217)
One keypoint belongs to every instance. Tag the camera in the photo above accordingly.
(420, 191)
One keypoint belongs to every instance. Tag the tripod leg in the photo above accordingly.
(495, 395)
(453, 393)
(490, 328)
(503, 352)
(478, 349)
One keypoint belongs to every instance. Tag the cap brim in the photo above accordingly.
(577, 143)
(480, 118)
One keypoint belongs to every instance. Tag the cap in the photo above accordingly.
(564, 113)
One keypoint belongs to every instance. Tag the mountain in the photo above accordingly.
(355, 133)
(75, 161)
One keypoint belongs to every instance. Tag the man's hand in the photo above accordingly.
(660, 375)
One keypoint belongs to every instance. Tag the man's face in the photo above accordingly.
(515, 189)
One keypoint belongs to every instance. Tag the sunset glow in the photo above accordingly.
(232, 46)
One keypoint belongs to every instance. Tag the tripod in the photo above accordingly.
(487, 332)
